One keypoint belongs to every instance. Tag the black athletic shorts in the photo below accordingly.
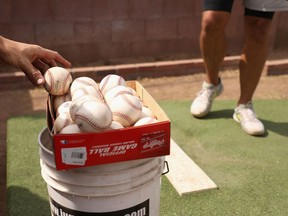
(226, 5)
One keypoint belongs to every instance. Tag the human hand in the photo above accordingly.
(32, 59)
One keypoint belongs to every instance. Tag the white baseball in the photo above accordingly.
(116, 91)
(70, 129)
(60, 99)
(62, 121)
(82, 81)
(63, 108)
(126, 109)
(133, 91)
(76, 103)
(115, 125)
(145, 121)
(58, 80)
(87, 90)
(146, 112)
(110, 81)
(93, 116)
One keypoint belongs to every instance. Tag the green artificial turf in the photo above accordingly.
(26, 191)
(251, 172)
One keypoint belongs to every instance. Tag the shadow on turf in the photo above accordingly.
(22, 202)
(280, 128)
(218, 114)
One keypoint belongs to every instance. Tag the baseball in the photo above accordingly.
(58, 80)
(93, 116)
(116, 91)
(87, 90)
(76, 103)
(126, 109)
(62, 121)
(60, 99)
(63, 108)
(145, 121)
(70, 129)
(146, 112)
(133, 91)
(110, 81)
(115, 125)
(82, 81)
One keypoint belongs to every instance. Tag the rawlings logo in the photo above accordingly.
(154, 143)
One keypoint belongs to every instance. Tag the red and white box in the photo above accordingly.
(130, 143)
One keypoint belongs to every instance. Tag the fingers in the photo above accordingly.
(52, 57)
(34, 76)
(63, 61)
(41, 66)
(53, 63)
(32, 72)
(50, 62)
(44, 60)
(36, 60)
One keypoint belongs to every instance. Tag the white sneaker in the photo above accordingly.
(202, 104)
(245, 115)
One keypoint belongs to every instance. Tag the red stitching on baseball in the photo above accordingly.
(65, 81)
(126, 117)
(91, 123)
(86, 82)
(121, 92)
(105, 82)
(126, 99)
(66, 123)
(119, 80)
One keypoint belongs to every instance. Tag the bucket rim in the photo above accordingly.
(40, 143)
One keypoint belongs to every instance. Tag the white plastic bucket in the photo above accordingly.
(130, 188)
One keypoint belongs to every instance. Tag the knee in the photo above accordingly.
(258, 30)
(213, 23)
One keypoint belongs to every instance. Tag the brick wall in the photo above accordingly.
(89, 31)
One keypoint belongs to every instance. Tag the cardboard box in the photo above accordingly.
(131, 143)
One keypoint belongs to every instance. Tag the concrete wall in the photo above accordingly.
(87, 31)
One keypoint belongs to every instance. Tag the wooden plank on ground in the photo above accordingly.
(184, 174)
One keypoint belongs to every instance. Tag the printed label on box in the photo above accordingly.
(119, 148)
(74, 156)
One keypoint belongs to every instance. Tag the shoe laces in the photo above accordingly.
(206, 94)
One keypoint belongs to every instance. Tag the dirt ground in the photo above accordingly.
(27, 101)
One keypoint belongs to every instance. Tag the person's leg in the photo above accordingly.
(212, 38)
(213, 42)
(254, 55)
(213, 47)
(257, 25)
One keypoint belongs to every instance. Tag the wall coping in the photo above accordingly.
(17, 80)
